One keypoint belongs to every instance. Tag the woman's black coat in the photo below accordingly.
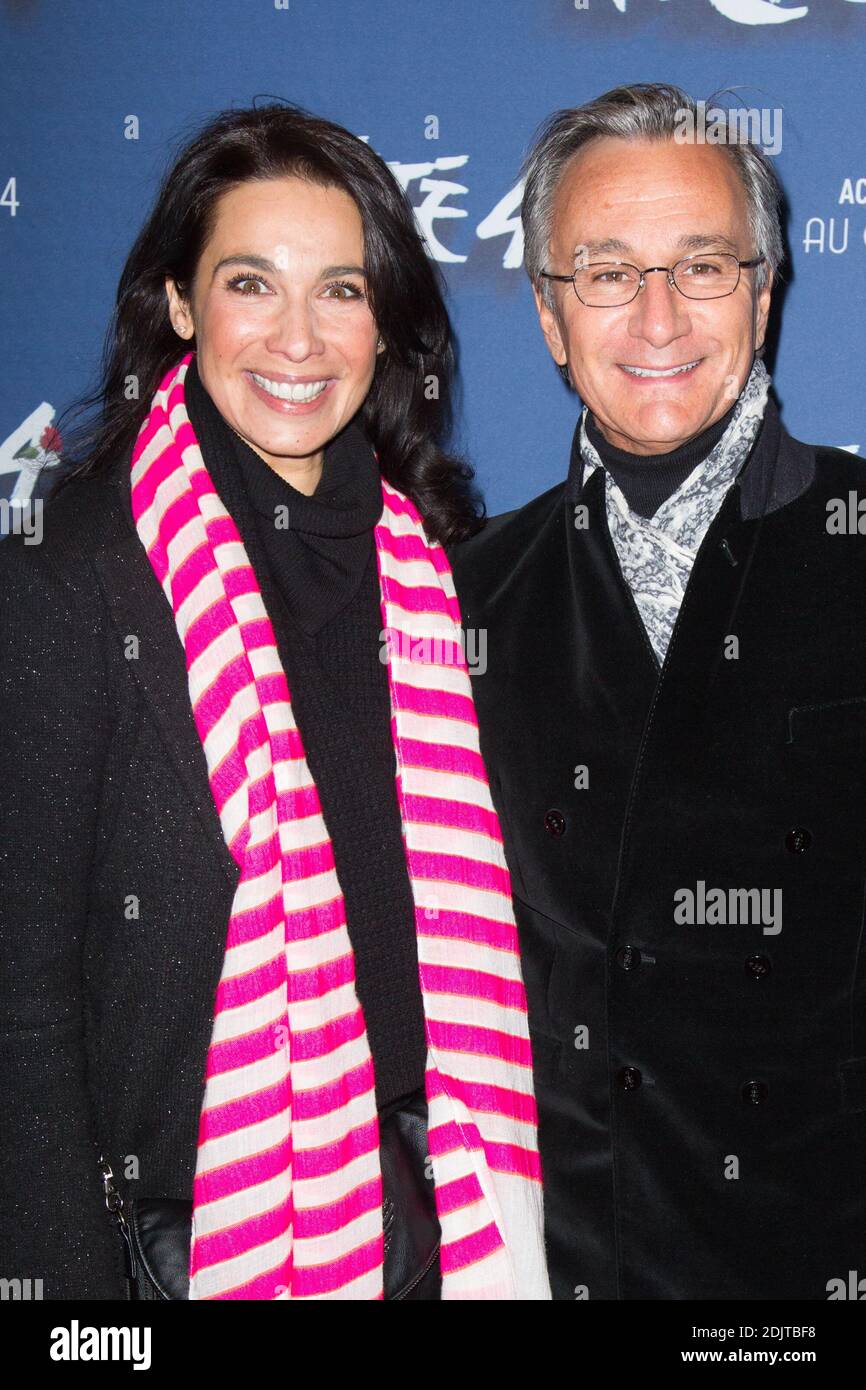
(115, 890)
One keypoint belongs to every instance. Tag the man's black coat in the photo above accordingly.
(701, 1086)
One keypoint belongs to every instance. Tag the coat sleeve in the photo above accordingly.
(55, 721)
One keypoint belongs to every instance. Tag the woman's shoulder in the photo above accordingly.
(52, 540)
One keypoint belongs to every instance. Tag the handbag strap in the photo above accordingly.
(114, 1203)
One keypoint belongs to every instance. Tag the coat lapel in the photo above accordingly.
(139, 608)
(708, 613)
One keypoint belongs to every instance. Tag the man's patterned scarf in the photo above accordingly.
(656, 554)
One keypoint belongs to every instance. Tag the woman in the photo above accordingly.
(271, 986)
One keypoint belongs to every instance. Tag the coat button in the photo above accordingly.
(798, 840)
(758, 966)
(628, 957)
(554, 824)
(755, 1092)
(629, 1078)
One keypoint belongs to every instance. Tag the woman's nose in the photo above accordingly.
(296, 330)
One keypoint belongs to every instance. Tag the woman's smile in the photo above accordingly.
(290, 395)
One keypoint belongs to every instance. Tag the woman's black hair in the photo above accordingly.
(407, 412)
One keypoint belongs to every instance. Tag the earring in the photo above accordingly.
(379, 345)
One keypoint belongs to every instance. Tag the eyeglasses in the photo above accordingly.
(610, 284)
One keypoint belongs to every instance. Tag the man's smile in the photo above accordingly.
(660, 373)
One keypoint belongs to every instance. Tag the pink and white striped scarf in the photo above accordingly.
(288, 1192)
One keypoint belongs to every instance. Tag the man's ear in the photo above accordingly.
(762, 311)
(550, 328)
(178, 310)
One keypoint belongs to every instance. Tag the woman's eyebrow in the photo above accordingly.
(262, 263)
(341, 270)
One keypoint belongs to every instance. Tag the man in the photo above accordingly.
(674, 717)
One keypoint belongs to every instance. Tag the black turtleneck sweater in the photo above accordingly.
(315, 562)
(647, 480)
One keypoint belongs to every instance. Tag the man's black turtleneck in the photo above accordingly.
(315, 562)
(648, 480)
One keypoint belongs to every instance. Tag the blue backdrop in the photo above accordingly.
(74, 188)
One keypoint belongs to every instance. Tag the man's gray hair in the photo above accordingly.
(645, 110)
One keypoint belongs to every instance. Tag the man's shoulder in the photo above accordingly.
(837, 500)
(833, 463)
(825, 470)
(504, 541)
(787, 470)
(822, 461)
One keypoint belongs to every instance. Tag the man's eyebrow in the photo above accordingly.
(594, 248)
(691, 241)
(262, 263)
(698, 240)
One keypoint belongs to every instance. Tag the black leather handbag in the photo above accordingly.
(156, 1230)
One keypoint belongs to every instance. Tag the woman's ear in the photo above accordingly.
(178, 310)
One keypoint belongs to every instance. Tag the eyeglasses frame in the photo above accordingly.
(668, 270)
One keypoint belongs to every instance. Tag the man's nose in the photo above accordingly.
(660, 313)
